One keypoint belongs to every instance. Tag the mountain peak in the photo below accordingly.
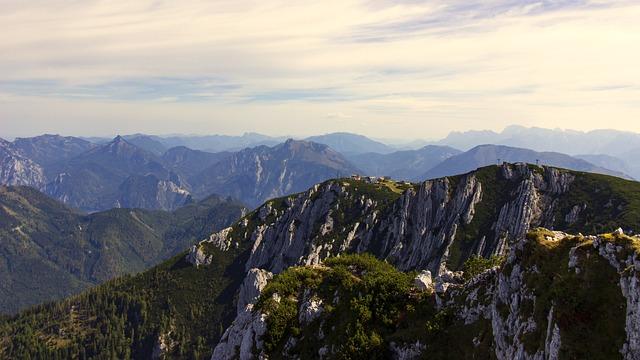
(118, 144)
(118, 139)
(293, 142)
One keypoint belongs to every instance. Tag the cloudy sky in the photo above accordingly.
(402, 69)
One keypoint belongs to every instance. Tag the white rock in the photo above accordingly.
(423, 280)
(310, 310)
(197, 257)
(251, 287)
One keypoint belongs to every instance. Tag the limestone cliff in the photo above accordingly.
(555, 296)
(431, 225)
(434, 226)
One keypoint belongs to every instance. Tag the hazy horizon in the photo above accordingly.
(387, 140)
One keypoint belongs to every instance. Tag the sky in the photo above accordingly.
(388, 69)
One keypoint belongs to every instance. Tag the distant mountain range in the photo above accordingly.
(572, 142)
(51, 149)
(351, 144)
(403, 165)
(485, 155)
(154, 172)
(118, 173)
(255, 175)
(48, 250)
(208, 143)
(619, 144)
(345, 143)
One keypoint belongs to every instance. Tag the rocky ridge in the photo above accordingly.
(501, 313)
(413, 229)
(424, 226)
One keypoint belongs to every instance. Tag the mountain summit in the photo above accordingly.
(254, 175)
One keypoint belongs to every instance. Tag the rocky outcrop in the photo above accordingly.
(197, 256)
(243, 339)
(310, 309)
(407, 351)
(17, 169)
(423, 280)
(502, 306)
(628, 265)
(504, 298)
(253, 284)
(420, 229)
(424, 223)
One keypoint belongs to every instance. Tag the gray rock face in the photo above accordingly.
(573, 215)
(499, 297)
(424, 223)
(17, 169)
(417, 231)
(407, 351)
(197, 256)
(629, 267)
(242, 338)
(253, 284)
(245, 333)
(310, 309)
(423, 280)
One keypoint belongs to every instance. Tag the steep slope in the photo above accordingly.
(350, 144)
(189, 162)
(484, 155)
(403, 165)
(256, 174)
(17, 169)
(113, 174)
(48, 251)
(181, 308)
(49, 149)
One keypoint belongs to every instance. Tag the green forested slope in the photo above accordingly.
(48, 251)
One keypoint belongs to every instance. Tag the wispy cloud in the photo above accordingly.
(422, 66)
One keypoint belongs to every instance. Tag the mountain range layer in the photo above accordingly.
(119, 174)
(202, 302)
(484, 155)
(140, 171)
